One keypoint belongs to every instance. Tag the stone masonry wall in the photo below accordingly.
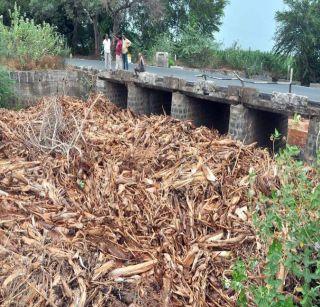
(138, 100)
(32, 85)
(242, 123)
(117, 93)
(249, 125)
(186, 108)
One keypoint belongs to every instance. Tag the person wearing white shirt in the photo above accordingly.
(107, 52)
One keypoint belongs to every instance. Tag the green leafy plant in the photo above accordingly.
(287, 223)
(194, 49)
(25, 41)
(6, 88)
(297, 119)
(274, 138)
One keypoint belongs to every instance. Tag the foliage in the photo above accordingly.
(288, 225)
(298, 35)
(203, 51)
(6, 88)
(26, 41)
(253, 62)
(194, 49)
(163, 43)
(205, 13)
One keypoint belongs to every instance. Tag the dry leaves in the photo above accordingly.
(149, 211)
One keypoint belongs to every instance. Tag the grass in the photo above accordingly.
(252, 62)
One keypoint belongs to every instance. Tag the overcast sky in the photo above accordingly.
(251, 23)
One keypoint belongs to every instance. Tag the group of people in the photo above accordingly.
(122, 49)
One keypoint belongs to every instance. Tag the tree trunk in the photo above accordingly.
(116, 24)
(96, 36)
(75, 33)
(75, 36)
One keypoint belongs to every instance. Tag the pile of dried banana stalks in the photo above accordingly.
(99, 207)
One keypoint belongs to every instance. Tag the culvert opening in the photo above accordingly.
(160, 102)
(214, 115)
(266, 125)
(119, 94)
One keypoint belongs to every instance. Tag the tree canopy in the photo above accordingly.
(84, 22)
(298, 35)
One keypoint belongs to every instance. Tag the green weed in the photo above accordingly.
(6, 88)
(287, 223)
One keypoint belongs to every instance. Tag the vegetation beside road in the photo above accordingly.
(6, 87)
(186, 28)
(203, 52)
(26, 45)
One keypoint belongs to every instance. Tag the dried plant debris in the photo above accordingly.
(103, 208)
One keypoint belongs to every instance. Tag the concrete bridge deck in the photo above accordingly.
(242, 112)
(313, 94)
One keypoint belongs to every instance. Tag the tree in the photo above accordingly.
(298, 35)
(119, 9)
(207, 14)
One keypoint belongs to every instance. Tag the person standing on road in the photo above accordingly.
(107, 52)
(125, 46)
(119, 64)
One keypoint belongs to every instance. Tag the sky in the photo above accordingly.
(251, 23)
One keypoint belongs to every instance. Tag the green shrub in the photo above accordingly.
(194, 49)
(288, 225)
(6, 88)
(163, 43)
(201, 51)
(26, 41)
(254, 62)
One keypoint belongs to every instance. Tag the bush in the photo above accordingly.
(191, 48)
(26, 42)
(163, 43)
(194, 49)
(288, 225)
(201, 51)
(254, 62)
(6, 88)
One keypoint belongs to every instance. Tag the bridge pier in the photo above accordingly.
(313, 142)
(184, 108)
(144, 101)
(138, 99)
(250, 125)
(117, 93)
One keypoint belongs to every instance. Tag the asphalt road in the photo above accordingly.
(190, 75)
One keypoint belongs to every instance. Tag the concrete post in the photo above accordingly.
(313, 142)
(117, 93)
(138, 99)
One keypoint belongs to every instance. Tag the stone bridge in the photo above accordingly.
(243, 113)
